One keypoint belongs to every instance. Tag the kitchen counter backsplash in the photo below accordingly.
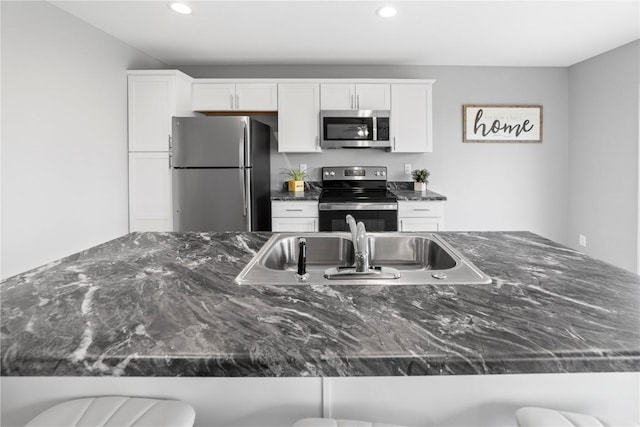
(402, 189)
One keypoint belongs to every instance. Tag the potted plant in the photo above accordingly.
(296, 181)
(421, 179)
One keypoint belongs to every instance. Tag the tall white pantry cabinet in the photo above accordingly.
(153, 98)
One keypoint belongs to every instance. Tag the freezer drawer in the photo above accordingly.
(211, 200)
(210, 142)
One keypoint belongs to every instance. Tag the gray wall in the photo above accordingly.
(603, 105)
(489, 186)
(64, 134)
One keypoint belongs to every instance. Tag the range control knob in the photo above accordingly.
(376, 173)
(383, 173)
(332, 173)
(326, 173)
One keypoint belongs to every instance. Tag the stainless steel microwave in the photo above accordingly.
(354, 129)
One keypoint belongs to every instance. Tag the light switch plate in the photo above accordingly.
(303, 167)
(407, 168)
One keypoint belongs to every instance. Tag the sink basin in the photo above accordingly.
(324, 250)
(413, 259)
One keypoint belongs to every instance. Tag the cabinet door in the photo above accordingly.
(213, 96)
(257, 97)
(151, 102)
(375, 96)
(411, 118)
(294, 224)
(150, 192)
(337, 96)
(419, 224)
(298, 119)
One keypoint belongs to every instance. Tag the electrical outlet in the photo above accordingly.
(407, 168)
(303, 167)
(583, 240)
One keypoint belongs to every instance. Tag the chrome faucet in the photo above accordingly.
(362, 251)
(360, 242)
(352, 227)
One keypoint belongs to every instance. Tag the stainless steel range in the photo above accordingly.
(360, 191)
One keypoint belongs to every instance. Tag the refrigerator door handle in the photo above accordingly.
(243, 186)
(247, 200)
(241, 146)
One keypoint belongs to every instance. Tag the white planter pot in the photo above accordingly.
(420, 186)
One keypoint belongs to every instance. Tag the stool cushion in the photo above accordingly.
(116, 411)
(330, 422)
(542, 417)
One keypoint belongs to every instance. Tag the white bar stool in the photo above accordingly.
(112, 411)
(543, 417)
(330, 422)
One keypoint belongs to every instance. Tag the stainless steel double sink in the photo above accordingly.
(420, 258)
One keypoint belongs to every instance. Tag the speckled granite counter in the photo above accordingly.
(312, 190)
(289, 196)
(417, 195)
(164, 304)
(404, 191)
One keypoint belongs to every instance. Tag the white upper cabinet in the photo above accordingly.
(411, 130)
(359, 96)
(213, 96)
(234, 97)
(298, 117)
(257, 97)
(152, 100)
(375, 96)
(336, 96)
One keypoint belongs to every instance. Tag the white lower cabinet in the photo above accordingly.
(299, 216)
(420, 216)
(150, 206)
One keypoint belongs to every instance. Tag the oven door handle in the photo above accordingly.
(358, 206)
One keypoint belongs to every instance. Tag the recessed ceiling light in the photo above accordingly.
(178, 6)
(387, 11)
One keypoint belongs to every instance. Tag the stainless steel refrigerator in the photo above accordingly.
(220, 174)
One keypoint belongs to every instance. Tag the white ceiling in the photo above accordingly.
(507, 32)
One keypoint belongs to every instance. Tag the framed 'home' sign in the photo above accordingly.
(502, 123)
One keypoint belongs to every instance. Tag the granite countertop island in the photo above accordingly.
(165, 304)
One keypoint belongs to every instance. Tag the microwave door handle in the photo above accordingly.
(375, 129)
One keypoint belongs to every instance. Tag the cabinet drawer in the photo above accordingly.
(307, 209)
(420, 209)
